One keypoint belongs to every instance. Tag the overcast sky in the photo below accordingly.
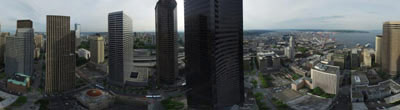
(258, 14)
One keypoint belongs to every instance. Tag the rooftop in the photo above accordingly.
(327, 68)
(392, 22)
(19, 79)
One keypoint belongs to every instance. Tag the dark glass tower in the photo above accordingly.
(214, 53)
(166, 32)
(60, 56)
(120, 48)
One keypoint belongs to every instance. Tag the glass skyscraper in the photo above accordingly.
(214, 53)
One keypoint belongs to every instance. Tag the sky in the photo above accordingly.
(257, 14)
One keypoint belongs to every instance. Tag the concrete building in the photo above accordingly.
(167, 38)
(214, 53)
(36, 53)
(97, 49)
(290, 51)
(19, 83)
(302, 82)
(120, 48)
(14, 55)
(95, 99)
(60, 57)
(3, 37)
(19, 49)
(387, 89)
(38, 41)
(355, 58)
(83, 53)
(369, 59)
(326, 77)
(390, 48)
(339, 60)
(378, 49)
(77, 30)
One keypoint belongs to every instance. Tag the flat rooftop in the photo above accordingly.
(327, 68)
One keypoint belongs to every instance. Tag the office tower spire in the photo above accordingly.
(214, 53)
(166, 33)
(120, 48)
(60, 56)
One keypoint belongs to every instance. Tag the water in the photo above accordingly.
(350, 40)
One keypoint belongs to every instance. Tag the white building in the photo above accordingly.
(326, 77)
(290, 52)
(83, 53)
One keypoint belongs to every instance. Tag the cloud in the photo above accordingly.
(258, 14)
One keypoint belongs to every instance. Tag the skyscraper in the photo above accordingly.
(120, 48)
(3, 36)
(97, 49)
(289, 51)
(166, 32)
(214, 53)
(38, 41)
(378, 49)
(77, 30)
(60, 56)
(390, 48)
(19, 49)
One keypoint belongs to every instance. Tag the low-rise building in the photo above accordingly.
(18, 83)
(387, 89)
(83, 53)
(368, 58)
(36, 53)
(95, 99)
(302, 82)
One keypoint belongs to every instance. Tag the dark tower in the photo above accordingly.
(214, 53)
(60, 56)
(166, 33)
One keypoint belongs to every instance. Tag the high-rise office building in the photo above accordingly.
(3, 36)
(390, 48)
(19, 50)
(378, 49)
(60, 55)
(77, 35)
(24, 24)
(290, 51)
(38, 41)
(166, 32)
(214, 53)
(14, 55)
(77, 30)
(120, 48)
(97, 49)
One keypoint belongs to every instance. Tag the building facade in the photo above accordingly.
(326, 77)
(38, 41)
(166, 32)
(19, 83)
(214, 53)
(19, 49)
(120, 48)
(3, 37)
(378, 49)
(390, 48)
(60, 55)
(290, 51)
(97, 49)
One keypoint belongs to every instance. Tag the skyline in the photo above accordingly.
(258, 14)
